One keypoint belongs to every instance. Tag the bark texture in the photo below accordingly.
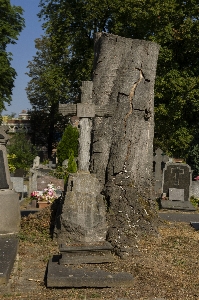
(122, 145)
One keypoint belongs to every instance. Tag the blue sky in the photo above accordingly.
(23, 52)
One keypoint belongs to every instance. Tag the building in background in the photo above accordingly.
(19, 124)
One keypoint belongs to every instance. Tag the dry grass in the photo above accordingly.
(165, 267)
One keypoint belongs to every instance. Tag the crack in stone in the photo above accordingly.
(131, 95)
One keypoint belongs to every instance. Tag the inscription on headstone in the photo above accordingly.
(176, 194)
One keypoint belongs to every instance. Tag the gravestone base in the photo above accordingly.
(83, 217)
(10, 212)
(64, 276)
(86, 254)
(177, 205)
(82, 235)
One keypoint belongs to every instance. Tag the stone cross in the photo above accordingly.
(86, 110)
(159, 160)
(177, 171)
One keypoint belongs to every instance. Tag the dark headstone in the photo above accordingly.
(8, 246)
(177, 176)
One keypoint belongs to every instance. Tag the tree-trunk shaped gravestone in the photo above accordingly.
(121, 163)
(122, 148)
(9, 200)
(82, 227)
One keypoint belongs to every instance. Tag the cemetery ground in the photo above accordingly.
(164, 266)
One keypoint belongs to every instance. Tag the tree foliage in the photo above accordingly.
(72, 165)
(22, 151)
(173, 24)
(46, 88)
(11, 24)
(68, 143)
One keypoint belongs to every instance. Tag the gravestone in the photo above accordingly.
(177, 179)
(83, 218)
(9, 200)
(177, 176)
(121, 164)
(36, 162)
(122, 145)
(82, 226)
(18, 186)
(159, 161)
(9, 213)
(38, 170)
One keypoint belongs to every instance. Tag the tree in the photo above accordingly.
(72, 165)
(68, 143)
(173, 24)
(11, 24)
(22, 150)
(46, 88)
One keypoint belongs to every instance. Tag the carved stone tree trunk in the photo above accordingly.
(122, 151)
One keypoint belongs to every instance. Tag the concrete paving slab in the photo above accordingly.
(8, 252)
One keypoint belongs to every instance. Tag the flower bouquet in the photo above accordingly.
(47, 195)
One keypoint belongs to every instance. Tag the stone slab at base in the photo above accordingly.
(177, 205)
(10, 212)
(8, 252)
(86, 254)
(71, 277)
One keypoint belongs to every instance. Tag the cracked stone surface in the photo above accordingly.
(122, 148)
